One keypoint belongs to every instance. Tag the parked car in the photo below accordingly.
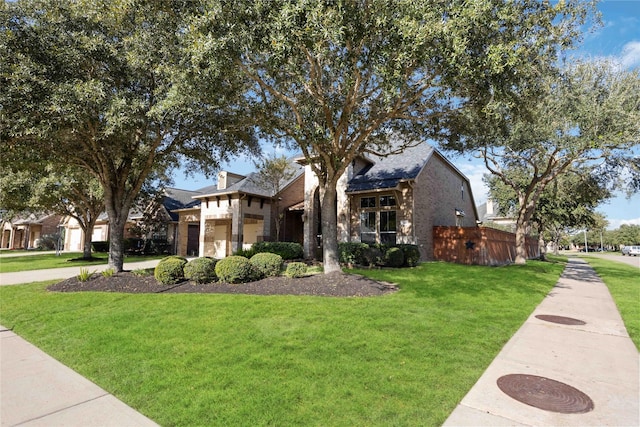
(631, 250)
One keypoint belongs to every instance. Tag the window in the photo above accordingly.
(387, 201)
(368, 227)
(388, 227)
(367, 202)
(378, 225)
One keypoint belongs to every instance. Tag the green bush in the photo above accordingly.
(247, 253)
(352, 253)
(201, 270)
(170, 270)
(100, 246)
(287, 250)
(296, 269)
(411, 254)
(268, 264)
(394, 257)
(373, 255)
(236, 269)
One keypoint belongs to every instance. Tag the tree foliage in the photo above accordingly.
(111, 87)
(338, 79)
(590, 113)
(48, 188)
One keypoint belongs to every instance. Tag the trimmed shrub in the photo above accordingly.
(373, 255)
(268, 264)
(394, 257)
(201, 270)
(411, 254)
(100, 246)
(170, 270)
(296, 269)
(235, 269)
(287, 250)
(352, 253)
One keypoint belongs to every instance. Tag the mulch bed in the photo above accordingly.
(333, 284)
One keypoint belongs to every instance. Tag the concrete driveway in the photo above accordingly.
(63, 273)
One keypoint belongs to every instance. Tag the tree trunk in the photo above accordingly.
(116, 244)
(521, 242)
(330, 258)
(542, 248)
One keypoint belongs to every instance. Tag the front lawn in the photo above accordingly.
(68, 259)
(210, 359)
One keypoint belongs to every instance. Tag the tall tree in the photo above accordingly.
(110, 86)
(567, 203)
(338, 79)
(53, 189)
(590, 113)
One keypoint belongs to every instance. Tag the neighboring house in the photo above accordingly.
(26, 232)
(489, 215)
(393, 199)
(167, 217)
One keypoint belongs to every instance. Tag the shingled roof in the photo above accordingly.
(249, 185)
(388, 172)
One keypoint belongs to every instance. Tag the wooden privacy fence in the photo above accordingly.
(478, 245)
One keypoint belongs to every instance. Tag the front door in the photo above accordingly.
(193, 237)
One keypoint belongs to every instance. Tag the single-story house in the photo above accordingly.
(166, 213)
(25, 232)
(392, 199)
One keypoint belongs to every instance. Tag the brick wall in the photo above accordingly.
(439, 190)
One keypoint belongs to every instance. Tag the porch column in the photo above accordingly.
(237, 225)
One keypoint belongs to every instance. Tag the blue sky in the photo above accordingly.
(618, 38)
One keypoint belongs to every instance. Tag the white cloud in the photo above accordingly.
(616, 223)
(630, 56)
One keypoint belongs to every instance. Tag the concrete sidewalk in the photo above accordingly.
(63, 273)
(37, 390)
(597, 358)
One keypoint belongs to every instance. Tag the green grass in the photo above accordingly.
(45, 261)
(623, 282)
(206, 359)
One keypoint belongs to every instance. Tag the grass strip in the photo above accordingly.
(213, 359)
(45, 261)
(623, 282)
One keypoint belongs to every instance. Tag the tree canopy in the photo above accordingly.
(112, 87)
(338, 79)
(589, 115)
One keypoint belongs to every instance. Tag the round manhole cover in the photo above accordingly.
(560, 319)
(545, 393)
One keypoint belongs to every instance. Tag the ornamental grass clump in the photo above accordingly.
(85, 274)
(236, 269)
(268, 264)
(170, 270)
(201, 270)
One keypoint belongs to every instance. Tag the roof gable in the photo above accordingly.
(389, 171)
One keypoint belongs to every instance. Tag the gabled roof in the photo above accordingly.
(176, 198)
(249, 185)
(388, 172)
